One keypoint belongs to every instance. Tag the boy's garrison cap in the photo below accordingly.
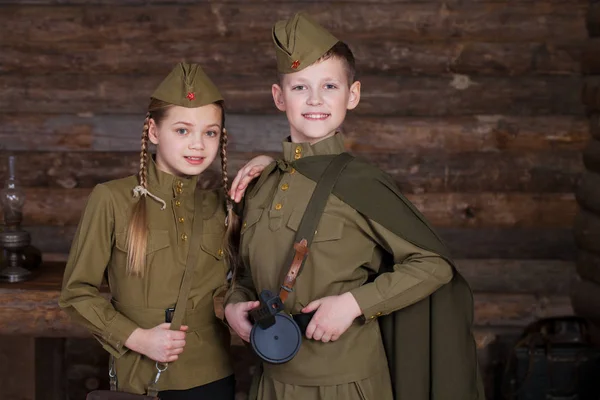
(299, 42)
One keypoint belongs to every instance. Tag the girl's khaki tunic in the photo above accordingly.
(347, 248)
(99, 251)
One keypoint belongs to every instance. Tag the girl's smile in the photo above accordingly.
(194, 160)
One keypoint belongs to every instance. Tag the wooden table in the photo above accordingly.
(31, 307)
(33, 331)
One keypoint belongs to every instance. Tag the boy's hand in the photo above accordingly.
(245, 175)
(334, 316)
(159, 343)
(237, 318)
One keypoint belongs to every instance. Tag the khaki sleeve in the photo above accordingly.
(242, 286)
(416, 274)
(90, 254)
(242, 289)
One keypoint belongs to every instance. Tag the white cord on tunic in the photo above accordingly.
(142, 191)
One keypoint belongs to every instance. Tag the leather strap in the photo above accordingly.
(290, 279)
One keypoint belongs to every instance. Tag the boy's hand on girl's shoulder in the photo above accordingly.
(159, 343)
(246, 174)
(334, 316)
(237, 317)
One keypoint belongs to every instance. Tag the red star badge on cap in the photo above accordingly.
(296, 64)
(191, 96)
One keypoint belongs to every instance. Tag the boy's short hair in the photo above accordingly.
(342, 52)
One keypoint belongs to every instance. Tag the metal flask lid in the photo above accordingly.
(278, 343)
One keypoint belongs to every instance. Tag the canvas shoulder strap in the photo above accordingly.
(316, 204)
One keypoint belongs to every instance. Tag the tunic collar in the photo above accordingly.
(331, 145)
(169, 186)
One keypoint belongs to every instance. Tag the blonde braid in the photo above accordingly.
(137, 232)
(232, 233)
(224, 167)
(143, 174)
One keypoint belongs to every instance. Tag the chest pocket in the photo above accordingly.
(158, 239)
(330, 227)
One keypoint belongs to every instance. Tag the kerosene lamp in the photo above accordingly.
(19, 258)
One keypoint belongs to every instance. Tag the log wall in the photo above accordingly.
(586, 287)
(473, 106)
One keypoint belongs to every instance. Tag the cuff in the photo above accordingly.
(238, 295)
(116, 334)
(368, 299)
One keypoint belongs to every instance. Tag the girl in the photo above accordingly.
(137, 232)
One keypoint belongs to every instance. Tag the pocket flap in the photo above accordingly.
(213, 245)
(157, 239)
(330, 227)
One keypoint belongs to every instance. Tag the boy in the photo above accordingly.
(368, 229)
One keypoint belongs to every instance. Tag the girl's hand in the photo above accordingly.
(159, 343)
(334, 316)
(245, 175)
(237, 318)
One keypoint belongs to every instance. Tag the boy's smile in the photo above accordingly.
(316, 116)
(316, 99)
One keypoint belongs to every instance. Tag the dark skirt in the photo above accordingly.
(221, 389)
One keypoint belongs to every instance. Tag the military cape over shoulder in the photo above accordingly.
(429, 345)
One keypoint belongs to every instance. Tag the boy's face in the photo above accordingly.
(187, 139)
(315, 99)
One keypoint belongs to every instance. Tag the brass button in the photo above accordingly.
(285, 186)
(293, 171)
(220, 252)
(245, 224)
(179, 184)
(177, 203)
(372, 317)
(179, 190)
(278, 206)
(297, 156)
(181, 219)
(183, 237)
(298, 149)
(379, 314)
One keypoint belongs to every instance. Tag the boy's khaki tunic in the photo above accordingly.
(99, 250)
(346, 249)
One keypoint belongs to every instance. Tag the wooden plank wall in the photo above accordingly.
(586, 290)
(474, 106)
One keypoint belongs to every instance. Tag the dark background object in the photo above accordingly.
(554, 360)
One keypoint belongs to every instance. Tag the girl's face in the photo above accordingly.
(187, 139)
(315, 99)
